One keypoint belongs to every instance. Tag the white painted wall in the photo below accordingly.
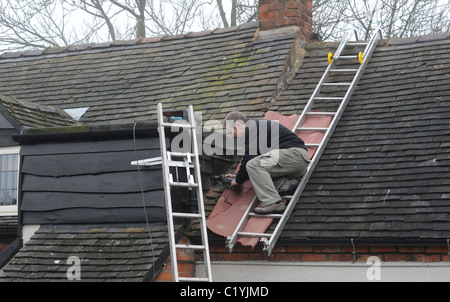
(261, 271)
(28, 231)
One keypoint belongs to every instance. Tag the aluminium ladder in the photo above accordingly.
(190, 160)
(269, 239)
(187, 161)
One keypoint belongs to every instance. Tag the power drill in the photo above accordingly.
(226, 181)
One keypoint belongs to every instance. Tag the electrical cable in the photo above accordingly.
(226, 195)
(143, 196)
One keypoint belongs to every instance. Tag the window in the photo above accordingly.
(9, 179)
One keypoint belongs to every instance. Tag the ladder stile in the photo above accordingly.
(168, 199)
(201, 205)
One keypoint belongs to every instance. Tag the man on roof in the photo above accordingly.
(272, 155)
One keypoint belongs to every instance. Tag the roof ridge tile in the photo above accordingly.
(111, 44)
(418, 39)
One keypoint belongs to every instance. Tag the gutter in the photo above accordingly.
(139, 129)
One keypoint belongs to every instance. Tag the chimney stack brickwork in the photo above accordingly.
(279, 13)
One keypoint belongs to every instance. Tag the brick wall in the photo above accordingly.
(279, 13)
(331, 253)
(187, 258)
(186, 264)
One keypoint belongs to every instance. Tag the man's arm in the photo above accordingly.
(242, 174)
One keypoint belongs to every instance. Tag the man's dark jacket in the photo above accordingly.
(262, 129)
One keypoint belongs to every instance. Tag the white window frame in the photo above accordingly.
(11, 210)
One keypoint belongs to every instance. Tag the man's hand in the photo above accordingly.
(235, 186)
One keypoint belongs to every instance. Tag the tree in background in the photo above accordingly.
(26, 24)
(42, 23)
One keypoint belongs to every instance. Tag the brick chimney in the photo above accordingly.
(280, 13)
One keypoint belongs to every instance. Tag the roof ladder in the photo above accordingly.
(191, 179)
(269, 239)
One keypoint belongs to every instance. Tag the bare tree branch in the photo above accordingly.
(43, 23)
(222, 13)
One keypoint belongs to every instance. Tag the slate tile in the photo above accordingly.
(435, 235)
(380, 226)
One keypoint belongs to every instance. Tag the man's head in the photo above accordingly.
(235, 123)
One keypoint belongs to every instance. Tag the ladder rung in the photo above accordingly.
(336, 84)
(176, 125)
(179, 164)
(183, 184)
(321, 113)
(311, 129)
(186, 279)
(254, 235)
(312, 145)
(190, 246)
(344, 70)
(275, 216)
(148, 162)
(331, 98)
(348, 57)
(186, 215)
(180, 154)
(357, 44)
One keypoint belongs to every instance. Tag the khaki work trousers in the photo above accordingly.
(267, 172)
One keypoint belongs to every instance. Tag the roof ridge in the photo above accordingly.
(118, 43)
(418, 39)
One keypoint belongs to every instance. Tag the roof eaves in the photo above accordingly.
(83, 132)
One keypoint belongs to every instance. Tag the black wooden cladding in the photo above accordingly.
(90, 182)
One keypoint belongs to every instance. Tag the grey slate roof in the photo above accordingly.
(107, 253)
(122, 81)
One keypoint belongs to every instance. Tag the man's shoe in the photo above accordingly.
(288, 187)
(276, 208)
